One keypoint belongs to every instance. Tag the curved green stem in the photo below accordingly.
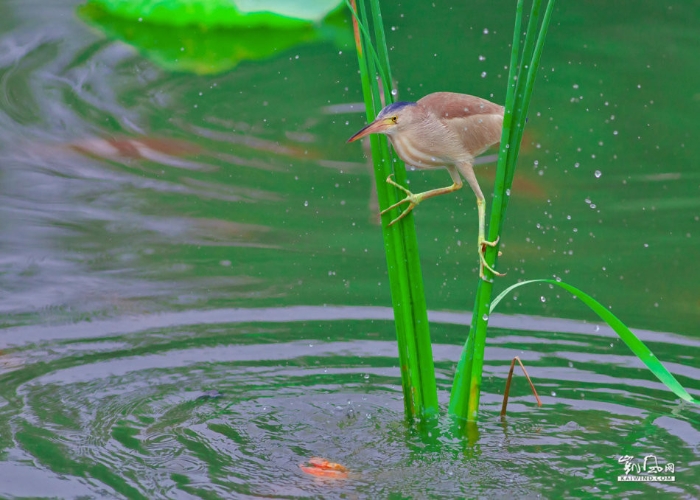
(629, 338)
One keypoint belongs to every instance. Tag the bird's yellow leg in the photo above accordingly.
(415, 199)
(467, 170)
(481, 240)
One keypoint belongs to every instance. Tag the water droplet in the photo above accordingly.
(394, 92)
(485, 317)
(507, 192)
(554, 394)
(542, 299)
(483, 74)
(306, 203)
(598, 173)
(482, 58)
(486, 31)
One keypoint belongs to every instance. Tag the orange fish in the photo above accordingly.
(320, 467)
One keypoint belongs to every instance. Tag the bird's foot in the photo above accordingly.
(411, 199)
(482, 259)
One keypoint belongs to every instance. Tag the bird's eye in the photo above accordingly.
(394, 119)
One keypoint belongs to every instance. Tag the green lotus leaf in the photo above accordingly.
(204, 50)
(218, 13)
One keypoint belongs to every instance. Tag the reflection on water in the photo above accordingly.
(194, 289)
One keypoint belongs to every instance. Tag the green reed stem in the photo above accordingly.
(461, 387)
(360, 26)
(466, 389)
(400, 243)
(383, 52)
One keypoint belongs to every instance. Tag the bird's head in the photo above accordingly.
(389, 120)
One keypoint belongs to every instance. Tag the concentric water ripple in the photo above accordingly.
(155, 414)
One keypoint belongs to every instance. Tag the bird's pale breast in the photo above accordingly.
(420, 158)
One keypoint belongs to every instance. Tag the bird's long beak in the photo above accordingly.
(377, 126)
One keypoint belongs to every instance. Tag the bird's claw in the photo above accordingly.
(411, 199)
(482, 259)
(483, 244)
(411, 206)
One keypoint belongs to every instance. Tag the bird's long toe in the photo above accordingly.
(483, 244)
(484, 264)
(482, 258)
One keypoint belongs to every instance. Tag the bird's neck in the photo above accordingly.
(412, 155)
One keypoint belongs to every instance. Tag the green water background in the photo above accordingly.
(115, 382)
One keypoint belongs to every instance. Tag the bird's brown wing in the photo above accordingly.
(475, 121)
(452, 105)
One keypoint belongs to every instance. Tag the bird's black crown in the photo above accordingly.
(395, 107)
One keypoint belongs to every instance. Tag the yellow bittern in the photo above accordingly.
(443, 129)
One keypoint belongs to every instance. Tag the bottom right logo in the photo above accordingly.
(646, 469)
